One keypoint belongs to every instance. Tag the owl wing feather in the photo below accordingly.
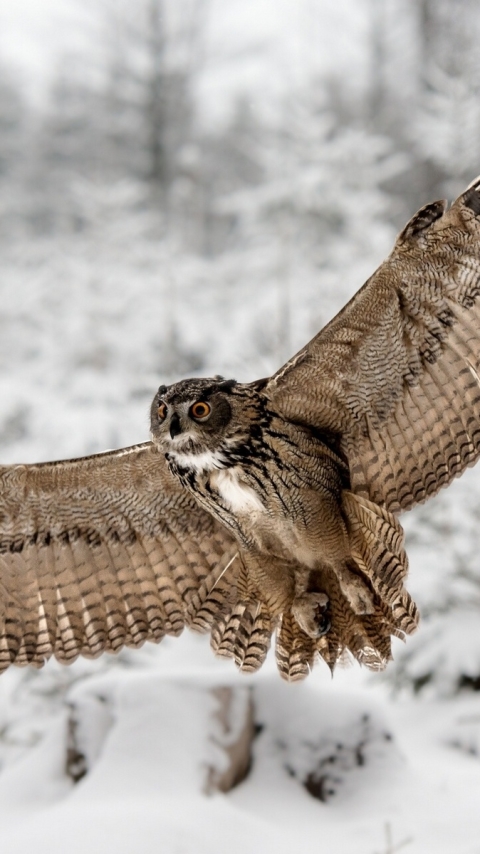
(394, 378)
(102, 552)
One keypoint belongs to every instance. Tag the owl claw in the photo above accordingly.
(312, 613)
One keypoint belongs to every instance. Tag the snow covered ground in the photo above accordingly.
(405, 771)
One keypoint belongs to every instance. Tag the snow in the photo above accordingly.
(147, 724)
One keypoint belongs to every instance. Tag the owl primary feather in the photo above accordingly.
(266, 508)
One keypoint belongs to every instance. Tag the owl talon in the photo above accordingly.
(312, 613)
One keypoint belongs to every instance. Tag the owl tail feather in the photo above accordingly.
(243, 633)
(214, 594)
(294, 650)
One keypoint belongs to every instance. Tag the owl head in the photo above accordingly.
(199, 423)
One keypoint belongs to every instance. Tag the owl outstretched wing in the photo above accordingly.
(394, 378)
(102, 552)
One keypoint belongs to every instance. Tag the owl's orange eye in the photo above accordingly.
(162, 411)
(200, 410)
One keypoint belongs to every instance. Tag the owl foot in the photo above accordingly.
(312, 613)
(356, 592)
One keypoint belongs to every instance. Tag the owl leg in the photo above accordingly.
(354, 589)
(312, 613)
(311, 605)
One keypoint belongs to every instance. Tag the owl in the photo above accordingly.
(267, 508)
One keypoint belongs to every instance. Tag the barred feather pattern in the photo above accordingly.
(376, 541)
(438, 421)
(243, 628)
(295, 652)
(396, 375)
(244, 633)
(103, 554)
(365, 636)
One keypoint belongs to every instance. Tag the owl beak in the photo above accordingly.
(175, 427)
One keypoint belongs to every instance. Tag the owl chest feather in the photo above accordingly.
(280, 504)
(268, 530)
(237, 495)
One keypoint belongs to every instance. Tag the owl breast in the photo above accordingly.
(238, 497)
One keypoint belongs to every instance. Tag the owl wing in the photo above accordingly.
(102, 552)
(394, 379)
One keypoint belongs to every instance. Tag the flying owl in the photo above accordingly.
(266, 507)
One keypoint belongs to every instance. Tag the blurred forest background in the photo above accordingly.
(144, 237)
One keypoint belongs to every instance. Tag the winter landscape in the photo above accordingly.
(190, 187)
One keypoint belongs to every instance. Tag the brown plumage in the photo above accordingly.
(269, 506)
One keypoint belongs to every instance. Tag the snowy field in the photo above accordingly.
(147, 730)
(135, 753)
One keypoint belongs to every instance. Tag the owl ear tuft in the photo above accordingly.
(259, 385)
(226, 385)
(422, 220)
(471, 196)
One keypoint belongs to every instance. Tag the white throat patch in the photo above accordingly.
(238, 496)
(206, 461)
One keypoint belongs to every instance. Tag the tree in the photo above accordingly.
(13, 150)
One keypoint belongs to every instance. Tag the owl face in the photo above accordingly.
(190, 421)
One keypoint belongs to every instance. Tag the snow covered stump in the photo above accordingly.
(217, 722)
(88, 724)
(233, 733)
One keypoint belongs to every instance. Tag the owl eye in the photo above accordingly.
(162, 411)
(200, 410)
